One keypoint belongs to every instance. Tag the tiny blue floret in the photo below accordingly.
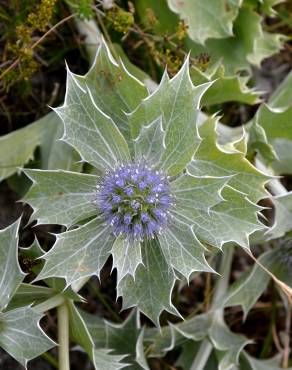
(135, 200)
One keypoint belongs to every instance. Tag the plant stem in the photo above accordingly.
(63, 336)
(202, 355)
(220, 289)
(51, 360)
(50, 303)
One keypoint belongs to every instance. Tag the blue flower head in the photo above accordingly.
(135, 200)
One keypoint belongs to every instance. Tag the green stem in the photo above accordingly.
(50, 303)
(63, 336)
(220, 290)
(50, 359)
(202, 355)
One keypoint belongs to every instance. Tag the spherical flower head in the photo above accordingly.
(135, 200)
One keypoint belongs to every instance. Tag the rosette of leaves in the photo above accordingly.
(160, 191)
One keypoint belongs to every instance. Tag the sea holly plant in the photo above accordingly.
(161, 192)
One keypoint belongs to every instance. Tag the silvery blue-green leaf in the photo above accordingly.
(281, 96)
(195, 328)
(17, 148)
(27, 294)
(114, 90)
(209, 19)
(231, 220)
(21, 335)
(282, 217)
(61, 197)
(127, 256)
(246, 290)
(275, 119)
(124, 339)
(277, 125)
(182, 250)
(258, 144)
(43, 133)
(56, 154)
(149, 144)
(140, 354)
(225, 88)
(151, 289)
(228, 345)
(177, 101)
(252, 284)
(91, 132)
(212, 159)
(104, 360)
(79, 331)
(10, 272)
(92, 324)
(251, 363)
(80, 252)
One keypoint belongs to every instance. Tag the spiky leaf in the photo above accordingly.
(126, 257)
(90, 131)
(80, 252)
(61, 197)
(151, 289)
(21, 335)
(198, 16)
(177, 101)
(10, 273)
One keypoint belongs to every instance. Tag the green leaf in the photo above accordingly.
(244, 48)
(124, 339)
(208, 19)
(127, 257)
(251, 363)
(182, 250)
(225, 88)
(10, 272)
(56, 154)
(27, 294)
(21, 335)
(282, 217)
(149, 145)
(249, 287)
(87, 328)
(228, 344)
(277, 123)
(104, 360)
(212, 159)
(18, 147)
(177, 101)
(61, 197)
(114, 90)
(80, 252)
(43, 133)
(216, 222)
(274, 120)
(90, 131)
(79, 331)
(151, 289)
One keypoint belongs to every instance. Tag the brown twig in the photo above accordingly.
(16, 61)
(287, 349)
(285, 288)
